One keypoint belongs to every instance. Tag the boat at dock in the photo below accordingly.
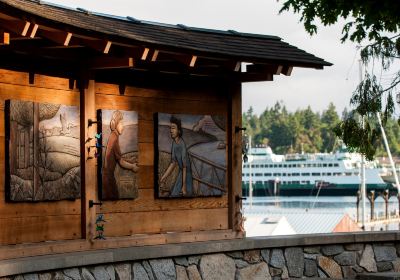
(303, 174)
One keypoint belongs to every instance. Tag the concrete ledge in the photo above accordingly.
(95, 257)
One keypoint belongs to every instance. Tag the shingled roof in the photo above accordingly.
(226, 44)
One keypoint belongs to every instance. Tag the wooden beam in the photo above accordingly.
(193, 61)
(112, 63)
(4, 38)
(255, 77)
(88, 165)
(107, 47)
(237, 66)
(59, 37)
(102, 46)
(155, 55)
(18, 27)
(287, 70)
(145, 53)
(34, 30)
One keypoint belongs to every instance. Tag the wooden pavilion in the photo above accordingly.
(76, 57)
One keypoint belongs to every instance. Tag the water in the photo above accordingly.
(320, 214)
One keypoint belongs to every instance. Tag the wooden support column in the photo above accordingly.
(88, 162)
(386, 198)
(371, 198)
(235, 157)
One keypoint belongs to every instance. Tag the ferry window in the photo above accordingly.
(280, 165)
(319, 165)
(356, 173)
(258, 174)
(267, 174)
(336, 165)
(255, 166)
(295, 174)
(314, 165)
(305, 174)
(325, 165)
(316, 174)
(330, 164)
(277, 174)
(289, 174)
(348, 173)
(329, 174)
(283, 174)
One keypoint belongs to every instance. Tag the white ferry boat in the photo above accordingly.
(336, 174)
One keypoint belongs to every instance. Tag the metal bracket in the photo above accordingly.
(238, 198)
(92, 203)
(91, 122)
(237, 129)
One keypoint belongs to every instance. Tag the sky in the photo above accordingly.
(305, 87)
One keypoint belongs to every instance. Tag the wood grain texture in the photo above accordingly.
(40, 209)
(147, 203)
(165, 105)
(89, 190)
(146, 177)
(146, 154)
(40, 81)
(36, 229)
(193, 94)
(123, 224)
(140, 240)
(146, 131)
(236, 158)
(35, 94)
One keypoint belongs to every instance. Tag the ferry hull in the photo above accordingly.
(312, 190)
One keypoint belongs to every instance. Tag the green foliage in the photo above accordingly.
(303, 130)
(312, 132)
(377, 24)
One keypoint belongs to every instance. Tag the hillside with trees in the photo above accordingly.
(305, 130)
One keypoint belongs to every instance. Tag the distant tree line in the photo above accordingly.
(305, 130)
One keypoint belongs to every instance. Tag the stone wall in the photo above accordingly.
(325, 261)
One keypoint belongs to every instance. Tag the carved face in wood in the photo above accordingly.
(174, 131)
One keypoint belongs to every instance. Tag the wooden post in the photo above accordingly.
(386, 198)
(36, 149)
(88, 162)
(235, 156)
(371, 198)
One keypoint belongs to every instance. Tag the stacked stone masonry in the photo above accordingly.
(327, 261)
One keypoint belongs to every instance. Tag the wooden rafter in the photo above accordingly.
(145, 53)
(155, 55)
(18, 27)
(111, 63)
(60, 37)
(287, 70)
(4, 38)
(102, 46)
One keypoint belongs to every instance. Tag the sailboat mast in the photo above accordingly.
(388, 152)
(250, 181)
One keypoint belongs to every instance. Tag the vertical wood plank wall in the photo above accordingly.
(147, 214)
(34, 222)
(62, 220)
